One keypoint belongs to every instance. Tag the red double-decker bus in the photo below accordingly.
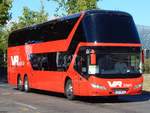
(93, 53)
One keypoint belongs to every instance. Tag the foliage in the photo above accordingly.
(30, 17)
(75, 6)
(4, 11)
(4, 33)
(5, 16)
(147, 66)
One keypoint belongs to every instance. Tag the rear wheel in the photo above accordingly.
(26, 84)
(19, 84)
(69, 90)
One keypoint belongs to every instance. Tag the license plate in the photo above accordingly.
(120, 92)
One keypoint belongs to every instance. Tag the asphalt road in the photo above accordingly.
(14, 101)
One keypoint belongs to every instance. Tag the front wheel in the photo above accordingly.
(69, 90)
(26, 84)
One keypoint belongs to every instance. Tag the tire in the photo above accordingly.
(69, 90)
(26, 84)
(19, 84)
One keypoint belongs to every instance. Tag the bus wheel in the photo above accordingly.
(69, 90)
(26, 84)
(19, 84)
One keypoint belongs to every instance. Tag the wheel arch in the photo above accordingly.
(18, 76)
(66, 79)
(25, 75)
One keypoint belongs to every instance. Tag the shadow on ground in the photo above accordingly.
(145, 96)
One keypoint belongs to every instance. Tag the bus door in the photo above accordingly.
(85, 61)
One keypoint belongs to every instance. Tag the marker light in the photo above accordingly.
(138, 86)
(98, 86)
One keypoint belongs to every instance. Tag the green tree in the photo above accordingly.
(5, 6)
(30, 17)
(5, 16)
(75, 6)
(4, 32)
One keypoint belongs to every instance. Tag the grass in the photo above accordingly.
(146, 85)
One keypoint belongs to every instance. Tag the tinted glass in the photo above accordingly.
(118, 63)
(46, 61)
(110, 28)
(49, 31)
(57, 61)
(111, 62)
(77, 38)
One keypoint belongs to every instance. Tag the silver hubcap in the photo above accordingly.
(69, 90)
(26, 85)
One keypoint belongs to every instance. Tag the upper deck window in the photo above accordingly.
(50, 31)
(115, 28)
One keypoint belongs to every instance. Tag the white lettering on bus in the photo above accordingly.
(115, 83)
(16, 61)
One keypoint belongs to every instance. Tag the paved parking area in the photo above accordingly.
(14, 101)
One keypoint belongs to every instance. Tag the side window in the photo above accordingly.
(18, 38)
(39, 62)
(22, 37)
(63, 60)
(57, 30)
(49, 31)
(81, 63)
(43, 61)
(50, 61)
(79, 36)
(11, 40)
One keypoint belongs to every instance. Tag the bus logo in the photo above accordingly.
(115, 83)
(16, 61)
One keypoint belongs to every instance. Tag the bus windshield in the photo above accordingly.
(112, 62)
(110, 28)
(118, 63)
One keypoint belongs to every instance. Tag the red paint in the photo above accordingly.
(93, 57)
(55, 80)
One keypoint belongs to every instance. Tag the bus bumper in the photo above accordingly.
(129, 86)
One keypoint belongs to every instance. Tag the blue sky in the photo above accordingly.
(139, 9)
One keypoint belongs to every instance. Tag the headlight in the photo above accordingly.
(138, 86)
(98, 86)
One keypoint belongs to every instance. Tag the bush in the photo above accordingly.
(147, 66)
